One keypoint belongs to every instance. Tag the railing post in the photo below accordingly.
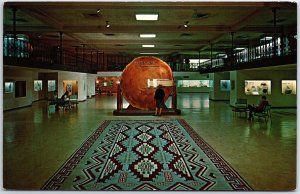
(76, 55)
(211, 63)
(91, 58)
(83, 54)
(60, 48)
(14, 32)
(275, 35)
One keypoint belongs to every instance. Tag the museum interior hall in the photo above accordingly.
(84, 84)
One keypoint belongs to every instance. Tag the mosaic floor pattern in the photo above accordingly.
(145, 155)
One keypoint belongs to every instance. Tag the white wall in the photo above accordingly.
(81, 78)
(216, 93)
(19, 74)
(91, 84)
(276, 99)
(86, 85)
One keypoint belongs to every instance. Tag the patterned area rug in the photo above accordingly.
(145, 155)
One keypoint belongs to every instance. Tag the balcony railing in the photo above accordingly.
(40, 55)
(268, 53)
(37, 54)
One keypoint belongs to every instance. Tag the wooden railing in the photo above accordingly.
(268, 53)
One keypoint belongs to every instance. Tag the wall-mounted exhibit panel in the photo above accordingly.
(193, 83)
(257, 87)
(288, 86)
(71, 86)
(37, 85)
(156, 82)
(51, 85)
(20, 89)
(9, 87)
(225, 85)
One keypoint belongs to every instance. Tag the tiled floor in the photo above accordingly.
(36, 143)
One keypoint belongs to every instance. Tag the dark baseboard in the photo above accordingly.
(284, 107)
(17, 108)
(219, 100)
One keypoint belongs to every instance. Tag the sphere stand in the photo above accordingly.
(131, 111)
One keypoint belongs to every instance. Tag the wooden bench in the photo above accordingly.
(241, 106)
(73, 100)
(64, 104)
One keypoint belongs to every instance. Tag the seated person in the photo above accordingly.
(55, 95)
(260, 108)
(65, 96)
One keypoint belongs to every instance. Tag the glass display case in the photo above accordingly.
(37, 85)
(288, 87)
(257, 87)
(51, 85)
(225, 85)
(193, 83)
(9, 87)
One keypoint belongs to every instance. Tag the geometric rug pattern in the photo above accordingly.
(145, 155)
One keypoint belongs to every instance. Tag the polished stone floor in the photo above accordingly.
(36, 142)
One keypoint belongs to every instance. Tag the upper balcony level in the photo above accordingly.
(21, 51)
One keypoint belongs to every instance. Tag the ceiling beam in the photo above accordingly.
(148, 29)
(238, 25)
(138, 5)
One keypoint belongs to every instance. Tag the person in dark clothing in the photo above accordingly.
(260, 108)
(65, 95)
(159, 99)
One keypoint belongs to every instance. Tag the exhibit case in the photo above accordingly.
(288, 86)
(193, 83)
(51, 85)
(258, 87)
(9, 87)
(225, 85)
(38, 85)
(156, 82)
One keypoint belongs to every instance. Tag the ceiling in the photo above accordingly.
(209, 25)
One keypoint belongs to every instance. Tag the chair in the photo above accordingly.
(241, 106)
(266, 113)
(74, 100)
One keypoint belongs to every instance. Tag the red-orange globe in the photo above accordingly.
(134, 81)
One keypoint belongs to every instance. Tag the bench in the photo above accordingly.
(241, 106)
(59, 103)
(73, 100)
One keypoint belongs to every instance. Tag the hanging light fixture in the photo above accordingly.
(107, 24)
(186, 24)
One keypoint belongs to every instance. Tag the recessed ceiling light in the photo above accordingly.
(149, 17)
(148, 45)
(149, 53)
(147, 35)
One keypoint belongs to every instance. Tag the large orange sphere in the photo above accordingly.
(134, 81)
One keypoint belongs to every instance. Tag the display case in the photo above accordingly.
(156, 82)
(257, 87)
(51, 85)
(37, 85)
(225, 85)
(9, 87)
(193, 83)
(288, 87)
